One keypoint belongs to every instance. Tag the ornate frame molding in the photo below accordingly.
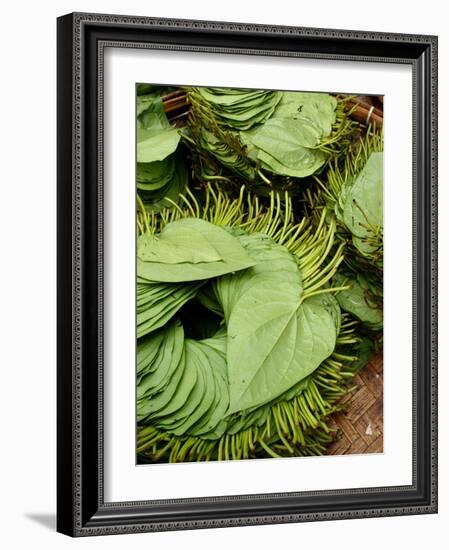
(81, 42)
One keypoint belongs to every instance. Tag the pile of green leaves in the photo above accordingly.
(359, 207)
(234, 337)
(287, 134)
(288, 143)
(226, 148)
(259, 351)
(237, 108)
(161, 172)
(354, 193)
(251, 317)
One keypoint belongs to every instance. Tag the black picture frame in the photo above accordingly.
(81, 510)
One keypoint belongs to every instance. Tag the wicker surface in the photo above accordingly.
(361, 424)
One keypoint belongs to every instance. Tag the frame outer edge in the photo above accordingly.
(233, 26)
(69, 370)
(434, 271)
(77, 110)
(65, 298)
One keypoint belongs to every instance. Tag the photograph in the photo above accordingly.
(259, 273)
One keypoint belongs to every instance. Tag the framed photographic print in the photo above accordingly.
(246, 274)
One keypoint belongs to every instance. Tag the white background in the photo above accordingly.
(123, 481)
(27, 229)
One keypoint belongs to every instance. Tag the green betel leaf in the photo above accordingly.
(208, 251)
(274, 344)
(238, 109)
(274, 266)
(182, 391)
(257, 305)
(147, 351)
(152, 176)
(147, 408)
(227, 157)
(148, 103)
(280, 137)
(157, 303)
(212, 423)
(306, 162)
(177, 244)
(156, 144)
(318, 108)
(150, 113)
(157, 375)
(174, 179)
(205, 360)
(161, 174)
(363, 204)
(287, 146)
(362, 300)
(230, 96)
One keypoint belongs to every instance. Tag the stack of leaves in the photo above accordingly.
(238, 331)
(227, 149)
(251, 325)
(161, 172)
(293, 136)
(237, 108)
(354, 193)
(291, 142)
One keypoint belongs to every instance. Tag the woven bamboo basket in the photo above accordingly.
(361, 423)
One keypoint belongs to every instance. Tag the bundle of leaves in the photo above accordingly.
(353, 194)
(243, 351)
(237, 108)
(291, 135)
(161, 173)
